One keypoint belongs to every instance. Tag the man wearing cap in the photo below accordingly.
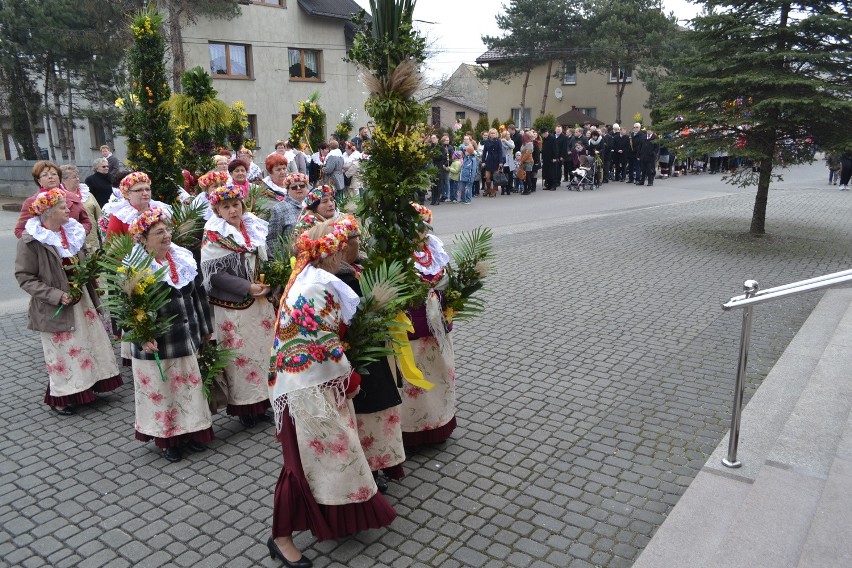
(636, 138)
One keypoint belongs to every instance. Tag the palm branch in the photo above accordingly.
(187, 224)
(472, 255)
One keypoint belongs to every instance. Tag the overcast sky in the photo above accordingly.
(454, 28)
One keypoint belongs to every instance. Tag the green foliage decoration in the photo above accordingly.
(544, 121)
(309, 124)
(389, 53)
(481, 126)
(151, 140)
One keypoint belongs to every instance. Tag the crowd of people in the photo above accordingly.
(343, 436)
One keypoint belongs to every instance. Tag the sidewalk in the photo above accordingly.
(590, 394)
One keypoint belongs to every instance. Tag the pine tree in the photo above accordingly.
(769, 82)
(151, 141)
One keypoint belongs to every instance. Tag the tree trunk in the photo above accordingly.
(176, 42)
(546, 86)
(72, 145)
(619, 94)
(58, 116)
(758, 216)
(51, 151)
(524, 101)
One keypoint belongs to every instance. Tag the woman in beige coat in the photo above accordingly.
(78, 355)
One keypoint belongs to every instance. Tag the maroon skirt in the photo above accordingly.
(255, 409)
(296, 510)
(425, 437)
(202, 437)
(83, 397)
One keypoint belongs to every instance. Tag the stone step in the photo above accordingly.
(829, 541)
(724, 508)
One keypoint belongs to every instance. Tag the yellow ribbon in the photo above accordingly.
(405, 355)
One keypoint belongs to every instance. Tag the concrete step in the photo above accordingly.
(724, 509)
(829, 541)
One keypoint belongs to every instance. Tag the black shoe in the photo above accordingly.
(525, 193)
(196, 447)
(67, 411)
(248, 420)
(172, 454)
(275, 552)
(650, 183)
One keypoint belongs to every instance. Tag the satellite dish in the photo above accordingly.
(558, 93)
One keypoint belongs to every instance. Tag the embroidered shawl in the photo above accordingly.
(307, 351)
(224, 247)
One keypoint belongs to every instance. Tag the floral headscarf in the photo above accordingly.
(223, 193)
(132, 179)
(45, 200)
(146, 220)
(213, 178)
(295, 178)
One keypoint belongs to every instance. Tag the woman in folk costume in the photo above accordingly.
(171, 407)
(326, 485)
(429, 407)
(77, 352)
(136, 190)
(318, 206)
(234, 244)
(377, 405)
(208, 183)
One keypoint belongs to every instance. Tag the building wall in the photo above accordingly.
(591, 90)
(270, 94)
(449, 110)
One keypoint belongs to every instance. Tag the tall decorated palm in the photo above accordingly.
(151, 140)
(389, 53)
(200, 117)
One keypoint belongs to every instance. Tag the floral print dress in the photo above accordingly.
(78, 359)
(309, 374)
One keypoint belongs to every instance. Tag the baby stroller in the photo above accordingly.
(584, 177)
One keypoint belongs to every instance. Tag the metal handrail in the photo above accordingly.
(751, 297)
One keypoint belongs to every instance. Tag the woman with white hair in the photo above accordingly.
(99, 181)
(77, 352)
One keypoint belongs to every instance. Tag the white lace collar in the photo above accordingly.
(184, 263)
(126, 213)
(75, 233)
(256, 228)
(439, 257)
(85, 192)
(349, 300)
(335, 152)
(277, 189)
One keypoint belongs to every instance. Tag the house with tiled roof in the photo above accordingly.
(460, 97)
(277, 53)
(525, 96)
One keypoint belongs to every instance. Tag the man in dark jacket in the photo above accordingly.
(636, 138)
(607, 158)
(549, 161)
(649, 154)
(621, 151)
(561, 151)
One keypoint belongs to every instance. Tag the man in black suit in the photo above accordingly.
(620, 152)
(649, 154)
(636, 138)
(561, 151)
(549, 160)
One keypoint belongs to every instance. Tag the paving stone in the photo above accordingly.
(567, 457)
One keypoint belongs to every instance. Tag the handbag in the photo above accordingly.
(500, 178)
(521, 175)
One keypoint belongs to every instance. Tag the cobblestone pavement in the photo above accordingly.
(590, 394)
